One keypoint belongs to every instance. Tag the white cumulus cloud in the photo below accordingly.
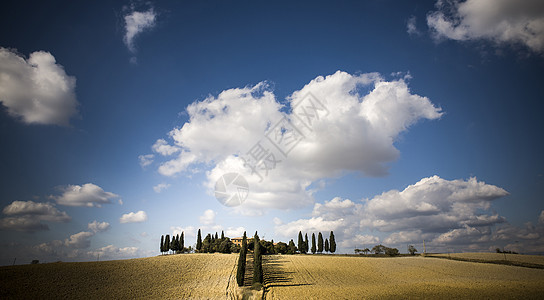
(96, 226)
(146, 160)
(160, 187)
(37, 90)
(354, 131)
(438, 210)
(208, 218)
(89, 195)
(134, 217)
(500, 21)
(28, 216)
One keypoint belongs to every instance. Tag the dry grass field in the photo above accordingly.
(185, 276)
(328, 277)
(497, 257)
(212, 276)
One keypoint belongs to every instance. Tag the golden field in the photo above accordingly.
(343, 277)
(497, 257)
(212, 276)
(184, 276)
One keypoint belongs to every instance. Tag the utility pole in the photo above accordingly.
(424, 249)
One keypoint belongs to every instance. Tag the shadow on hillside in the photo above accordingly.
(275, 275)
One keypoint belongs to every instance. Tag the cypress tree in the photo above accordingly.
(333, 243)
(167, 243)
(216, 237)
(306, 244)
(182, 242)
(313, 243)
(326, 245)
(257, 261)
(300, 242)
(320, 243)
(162, 243)
(198, 241)
(242, 262)
(222, 234)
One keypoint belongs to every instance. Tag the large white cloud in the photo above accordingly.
(501, 21)
(443, 212)
(89, 195)
(37, 90)
(134, 217)
(346, 123)
(28, 216)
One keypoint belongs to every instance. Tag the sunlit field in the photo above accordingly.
(329, 277)
(185, 276)
(212, 276)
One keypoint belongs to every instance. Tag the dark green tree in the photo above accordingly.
(378, 249)
(314, 248)
(281, 248)
(198, 241)
(216, 236)
(306, 244)
(222, 234)
(300, 242)
(291, 249)
(391, 251)
(320, 243)
(167, 243)
(326, 245)
(332, 241)
(412, 250)
(162, 244)
(257, 261)
(242, 262)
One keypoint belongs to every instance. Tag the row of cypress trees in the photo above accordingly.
(176, 244)
(303, 245)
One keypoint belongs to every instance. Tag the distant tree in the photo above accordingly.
(198, 241)
(326, 245)
(257, 261)
(366, 250)
(378, 249)
(412, 250)
(281, 248)
(306, 243)
(391, 251)
(291, 249)
(300, 242)
(182, 242)
(216, 236)
(314, 248)
(332, 241)
(267, 247)
(167, 243)
(222, 234)
(162, 244)
(320, 243)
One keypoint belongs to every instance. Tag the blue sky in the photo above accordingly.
(432, 129)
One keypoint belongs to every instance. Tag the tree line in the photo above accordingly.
(214, 243)
(175, 245)
(381, 249)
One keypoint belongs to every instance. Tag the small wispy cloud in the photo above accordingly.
(137, 22)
